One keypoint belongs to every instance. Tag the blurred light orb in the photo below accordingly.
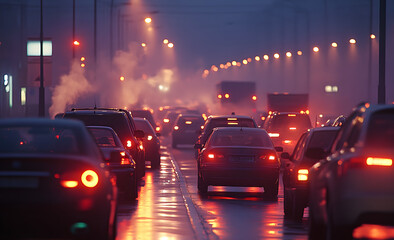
(148, 20)
(170, 45)
(299, 53)
(165, 41)
(373, 36)
(121, 78)
(352, 41)
(245, 61)
(143, 44)
(257, 58)
(316, 49)
(288, 54)
(334, 44)
(276, 55)
(234, 63)
(266, 57)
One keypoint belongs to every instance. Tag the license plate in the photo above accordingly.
(242, 159)
(18, 182)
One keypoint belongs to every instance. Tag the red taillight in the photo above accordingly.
(176, 128)
(287, 141)
(271, 157)
(273, 135)
(125, 161)
(302, 175)
(377, 161)
(166, 120)
(89, 178)
(211, 156)
(292, 128)
(69, 183)
(129, 143)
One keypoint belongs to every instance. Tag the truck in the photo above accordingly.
(236, 96)
(288, 102)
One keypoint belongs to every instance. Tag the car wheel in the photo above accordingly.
(155, 162)
(287, 203)
(202, 185)
(271, 191)
(298, 207)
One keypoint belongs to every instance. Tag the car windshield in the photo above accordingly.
(104, 137)
(284, 121)
(322, 139)
(241, 138)
(380, 134)
(41, 139)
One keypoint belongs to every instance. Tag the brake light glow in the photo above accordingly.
(166, 120)
(125, 161)
(291, 115)
(157, 129)
(303, 174)
(273, 135)
(141, 147)
(149, 137)
(128, 143)
(89, 178)
(176, 128)
(262, 118)
(202, 127)
(292, 128)
(188, 122)
(122, 154)
(287, 141)
(220, 96)
(69, 183)
(271, 157)
(211, 156)
(254, 97)
(232, 119)
(232, 123)
(374, 161)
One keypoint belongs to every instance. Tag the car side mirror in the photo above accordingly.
(316, 153)
(285, 155)
(197, 146)
(279, 149)
(139, 134)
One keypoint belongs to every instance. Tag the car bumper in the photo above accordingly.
(248, 177)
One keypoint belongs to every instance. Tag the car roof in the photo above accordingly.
(234, 129)
(41, 122)
(320, 129)
(229, 116)
(101, 127)
(96, 111)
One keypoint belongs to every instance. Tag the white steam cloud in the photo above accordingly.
(71, 87)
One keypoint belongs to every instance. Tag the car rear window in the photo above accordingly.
(322, 139)
(104, 137)
(118, 122)
(144, 126)
(239, 138)
(285, 121)
(41, 139)
(380, 134)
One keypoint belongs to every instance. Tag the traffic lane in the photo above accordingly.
(159, 212)
(237, 213)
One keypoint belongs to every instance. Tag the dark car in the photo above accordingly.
(168, 122)
(122, 122)
(151, 142)
(118, 160)
(354, 184)
(222, 121)
(285, 128)
(312, 146)
(239, 156)
(53, 182)
(186, 129)
(147, 114)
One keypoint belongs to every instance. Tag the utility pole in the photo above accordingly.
(41, 96)
(382, 53)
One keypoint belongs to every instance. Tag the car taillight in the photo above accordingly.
(89, 178)
(157, 129)
(287, 141)
(273, 135)
(129, 143)
(269, 157)
(176, 128)
(302, 175)
(141, 147)
(292, 128)
(166, 120)
(213, 156)
(377, 161)
(149, 137)
(69, 183)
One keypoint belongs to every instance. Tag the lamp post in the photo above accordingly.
(382, 53)
(41, 96)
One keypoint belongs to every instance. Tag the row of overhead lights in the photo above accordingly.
(266, 57)
(166, 42)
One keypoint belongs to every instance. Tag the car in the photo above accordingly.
(353, 185)
(53, 182)
(168, 122)
(151, 142)
(147, 114)
(307, 152)
(239, 156)
(285, 128)
(118, 160)
(214, 121)
(122, 122)
(186, 129)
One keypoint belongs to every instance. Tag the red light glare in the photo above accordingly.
(76, 43)
(89, 178)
